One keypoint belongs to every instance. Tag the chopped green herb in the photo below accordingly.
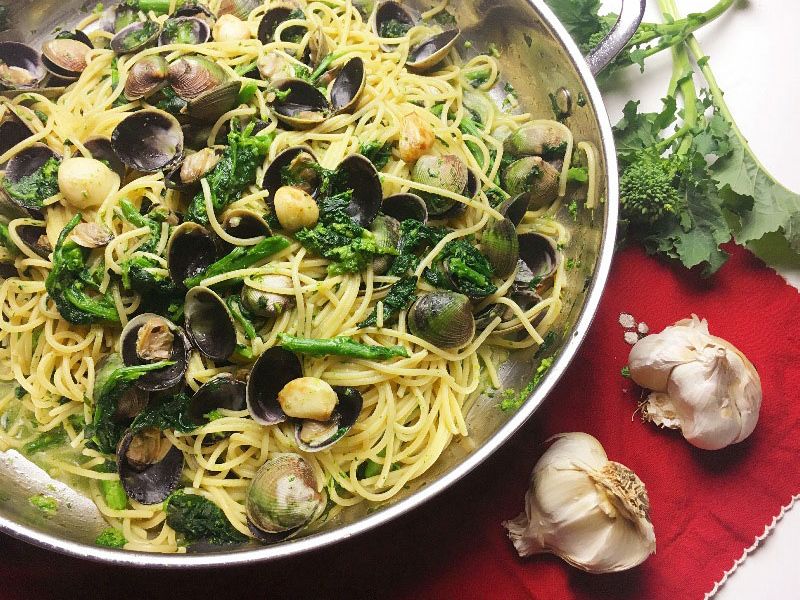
(47, 504)
(111, 538)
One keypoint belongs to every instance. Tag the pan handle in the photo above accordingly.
(630, 17)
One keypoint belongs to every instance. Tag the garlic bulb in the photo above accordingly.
(700, 384)
(592, 512)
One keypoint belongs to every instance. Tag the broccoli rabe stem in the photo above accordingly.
(340, 346)
(159, 7)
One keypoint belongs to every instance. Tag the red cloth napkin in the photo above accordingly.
(707, 507)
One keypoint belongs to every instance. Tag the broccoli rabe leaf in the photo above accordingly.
(241, 258)
(234, 173)
(170, 413)
(399, 298)
(379, 154)
(468, 271)
(31, 191)
(415, 237)
(198, 519)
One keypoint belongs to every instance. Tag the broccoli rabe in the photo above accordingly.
(462, 267)
(198, 519)
(157, 291)
(66, 284)
(415, 237)
(169, 413)
(241, 258)
(31, 191)
(111, 538)
(340, 346)
(379, 154)
(399, 298)
(234, 173)
(648, 191)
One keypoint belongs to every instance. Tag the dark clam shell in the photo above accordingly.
(539, 260)
(35, 238)
(359, 174)
(136, 37)
(500, 246)
(191, 250)
(270, 374)
(209, 324)
(514, 209)
(405, 206)
(162, 379)
(430, 53)
(184, 30)
(272, 19)
(443, 319)
(312, 436)
(223, 392)
(149, 484)
(12, 131)
(147, 76)
(349, 84)
(148, 141)
(303, 107)
(19, 56)
(100, 149)
(295, 158)
(211, 105)
(244, 224)
(26, 163)
(385, 14)
(194, 8)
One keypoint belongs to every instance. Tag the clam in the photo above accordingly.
(430, 53)
(300, 105)
(269, 304)
(150, 338)
(192, 169)
(446, 172)
(283, 498)
(316, 436)
(115, 18)
(136, 37)
(24, 164)
(149, 466)
(274, 67)
(405, 206)
(21, 66)
(539, 261)
(209, 324)
(271, 372)
(65, 57)
(295, 166)
(211, 105)
(349, 85)
(273, 19)
(146, 77)
(238, 8)
(443, 319)
(386, 231)
(193, 76)
(12, 131)
(34, 236)
(532, 178)
(190, 251)
(391, 20)
(357, 173)
(245, 224)
(540, 138)
(100, 148)
(184, 30)
(319, 46)
(148, 140)
(223, 392)
(500, 246)
(514, 209)
(195, 8)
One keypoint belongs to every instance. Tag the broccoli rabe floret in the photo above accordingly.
(649, 189)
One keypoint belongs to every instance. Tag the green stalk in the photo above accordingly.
(159, 7)
(681, 27)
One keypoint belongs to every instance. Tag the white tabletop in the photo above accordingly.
(755, 54)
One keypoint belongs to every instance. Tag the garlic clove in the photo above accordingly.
(590, 511)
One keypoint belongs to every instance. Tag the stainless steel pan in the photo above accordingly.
(539, 59)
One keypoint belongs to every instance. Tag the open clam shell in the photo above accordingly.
(162, 379)
(190, 251)
(147, 76)
(136, 37)
(223, 392)
(299, 162)
(184, 30)
(66, 57)
(346, 90)
(500, 246)
(303, 106)
(271, 372)
(539, 261)
(13, 130)
(533, 178)
(405, 206)
(359, 174)
(274, 17)
(100, 148)
(148, 140)
(315, 436)
(391, 20)
(35, 237)
(430, 53)
(24, 164)
(149, 466)
(209, 324)
(21, 66)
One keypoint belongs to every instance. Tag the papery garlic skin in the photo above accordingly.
(701, 384)
(592, 512)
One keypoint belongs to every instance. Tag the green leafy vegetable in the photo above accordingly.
(241, 257)
(112, 490)
(158, 292)
(111, 538)
(468, 270)
(46, 441)
(170, 102)
(393, 29)
(170, 413)
(199, 519)
(399, 298)
(234, 173)
(31, 191)
(340, 346)
(242, 316)
(379, 154)
(6, 241)
(415, 237)
(111, 382)
(67, 281)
